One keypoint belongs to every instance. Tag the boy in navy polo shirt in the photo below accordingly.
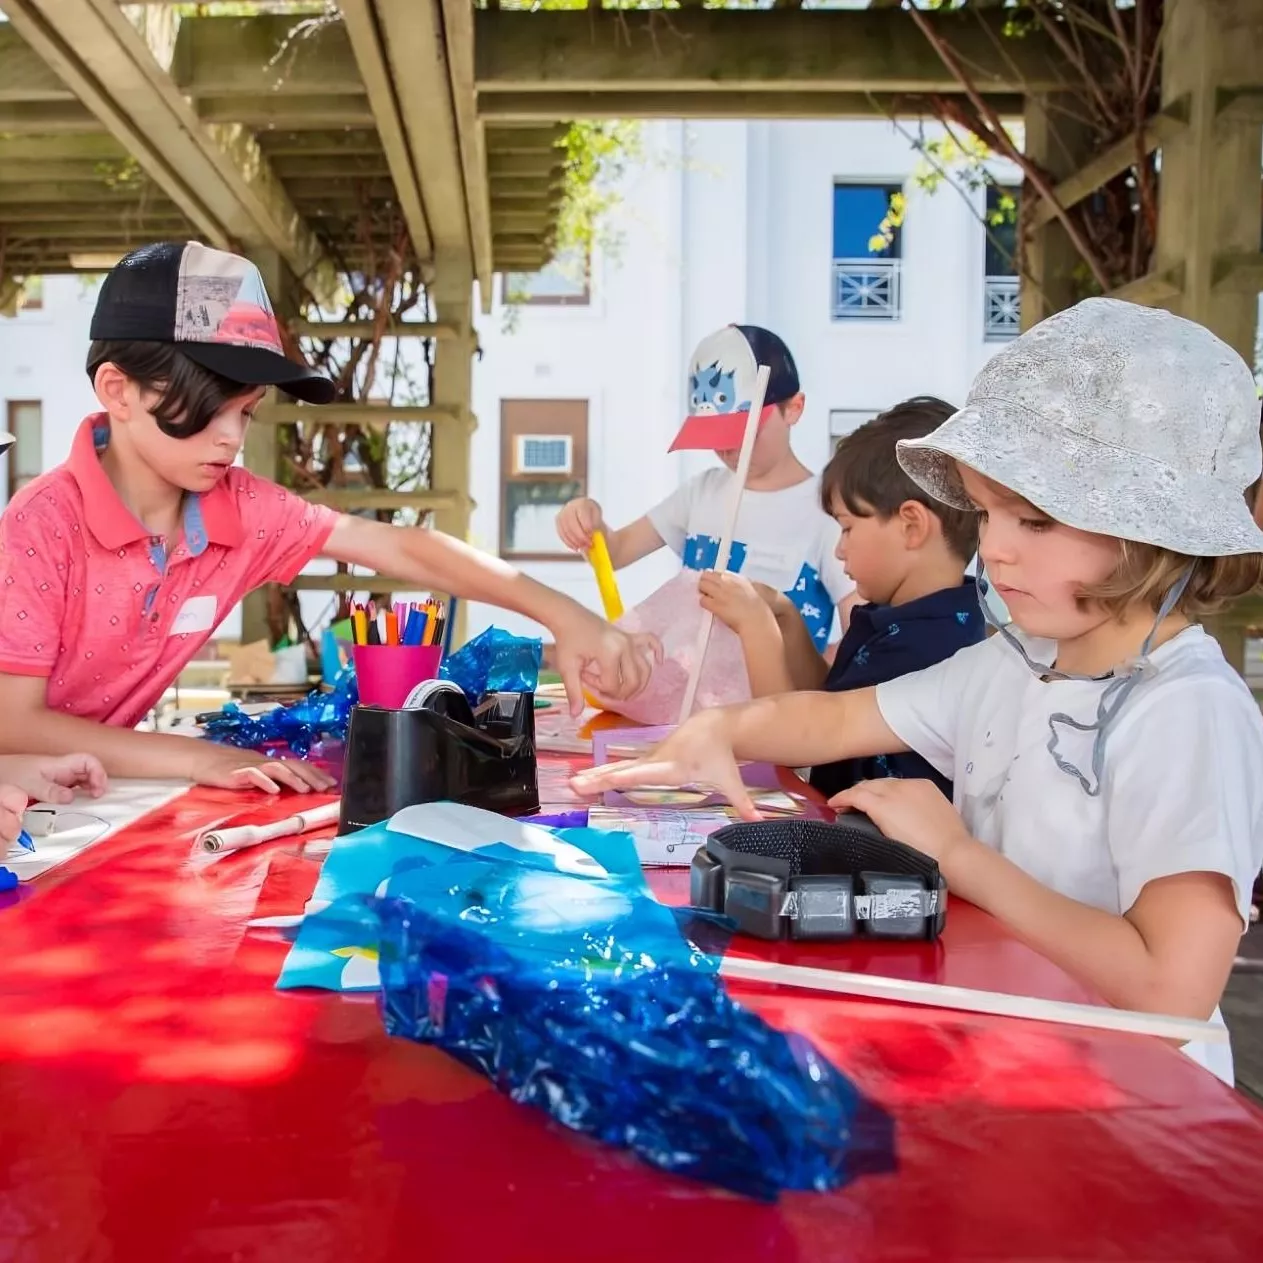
(907, 554)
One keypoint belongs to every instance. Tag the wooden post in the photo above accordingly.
(262, 453)
(452, 389)
(1209, 203)
(1061, 146)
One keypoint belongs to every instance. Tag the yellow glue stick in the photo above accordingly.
(599, 560)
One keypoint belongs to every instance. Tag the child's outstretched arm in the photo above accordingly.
(792, 730)
(580, 520)
(589, 651)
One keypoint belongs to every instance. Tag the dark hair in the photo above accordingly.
(865, 474)
(189, 396)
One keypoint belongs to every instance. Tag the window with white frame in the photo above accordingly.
(566, 281)
(25, 421)
(867, 251)
(1002, 299)
(543, 464)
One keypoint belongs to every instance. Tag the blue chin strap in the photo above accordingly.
(1118, 683)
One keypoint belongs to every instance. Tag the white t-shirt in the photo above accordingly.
(1181, 790)
(783, 538)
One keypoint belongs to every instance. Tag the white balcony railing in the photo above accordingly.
(1002, 310)
(866, 289)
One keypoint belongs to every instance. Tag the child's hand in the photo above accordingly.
(594, 655)
(914, 812)
(577, 522)
(733, 600)
(699, 752)
(226, 767)
(12, 808)
(780, 604)
(49, 778)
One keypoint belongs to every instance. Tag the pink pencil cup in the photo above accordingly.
(386, 674)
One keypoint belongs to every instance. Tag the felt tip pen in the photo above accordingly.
(24, 841)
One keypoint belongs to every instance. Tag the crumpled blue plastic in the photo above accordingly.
(585, 1000)
(494, 662)
(299, 726)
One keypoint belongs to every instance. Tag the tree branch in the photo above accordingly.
(1036, 177)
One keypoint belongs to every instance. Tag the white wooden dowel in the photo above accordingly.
(1099, 1017)
(730, 529)
(241, 836)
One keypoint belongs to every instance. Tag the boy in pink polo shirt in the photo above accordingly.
(116, 567)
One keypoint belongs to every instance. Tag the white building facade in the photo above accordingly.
(580, 389)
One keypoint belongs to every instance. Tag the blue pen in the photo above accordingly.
(24, 841)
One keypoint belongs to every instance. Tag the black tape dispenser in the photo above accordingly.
(439, 748)
(807, 879)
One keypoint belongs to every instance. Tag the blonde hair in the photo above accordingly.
(1146, 573)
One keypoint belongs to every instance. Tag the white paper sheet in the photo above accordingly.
(86, 821)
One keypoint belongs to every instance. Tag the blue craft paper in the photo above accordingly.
(336, 948)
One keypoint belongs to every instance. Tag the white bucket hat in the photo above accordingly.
(1113, 418)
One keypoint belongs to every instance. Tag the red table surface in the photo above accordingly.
(160, 1101)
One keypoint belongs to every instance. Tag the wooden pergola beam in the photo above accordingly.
(1244, 104)
(529, 141)
(458, 32)
(20, 229)
(1238, 271)
(24, 77)
(703, 50)
(501, 107)
(357, 500)
(320, 144)
(118, 217)
(1158, 131)
(1152, 289)
(224, 56)
(43, 118)
(545, 165)
(87, 148)
(370, 56)
(71, 193)
(412, 42)
(363, 414)
(218, 177)
(293, 113)
(60, 171)
(346, 166)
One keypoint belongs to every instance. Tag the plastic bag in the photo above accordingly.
(674, 615)
(296, 727)
(494, 662)
(583, 999)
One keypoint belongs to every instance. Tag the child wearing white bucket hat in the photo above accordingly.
(1106, 759)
